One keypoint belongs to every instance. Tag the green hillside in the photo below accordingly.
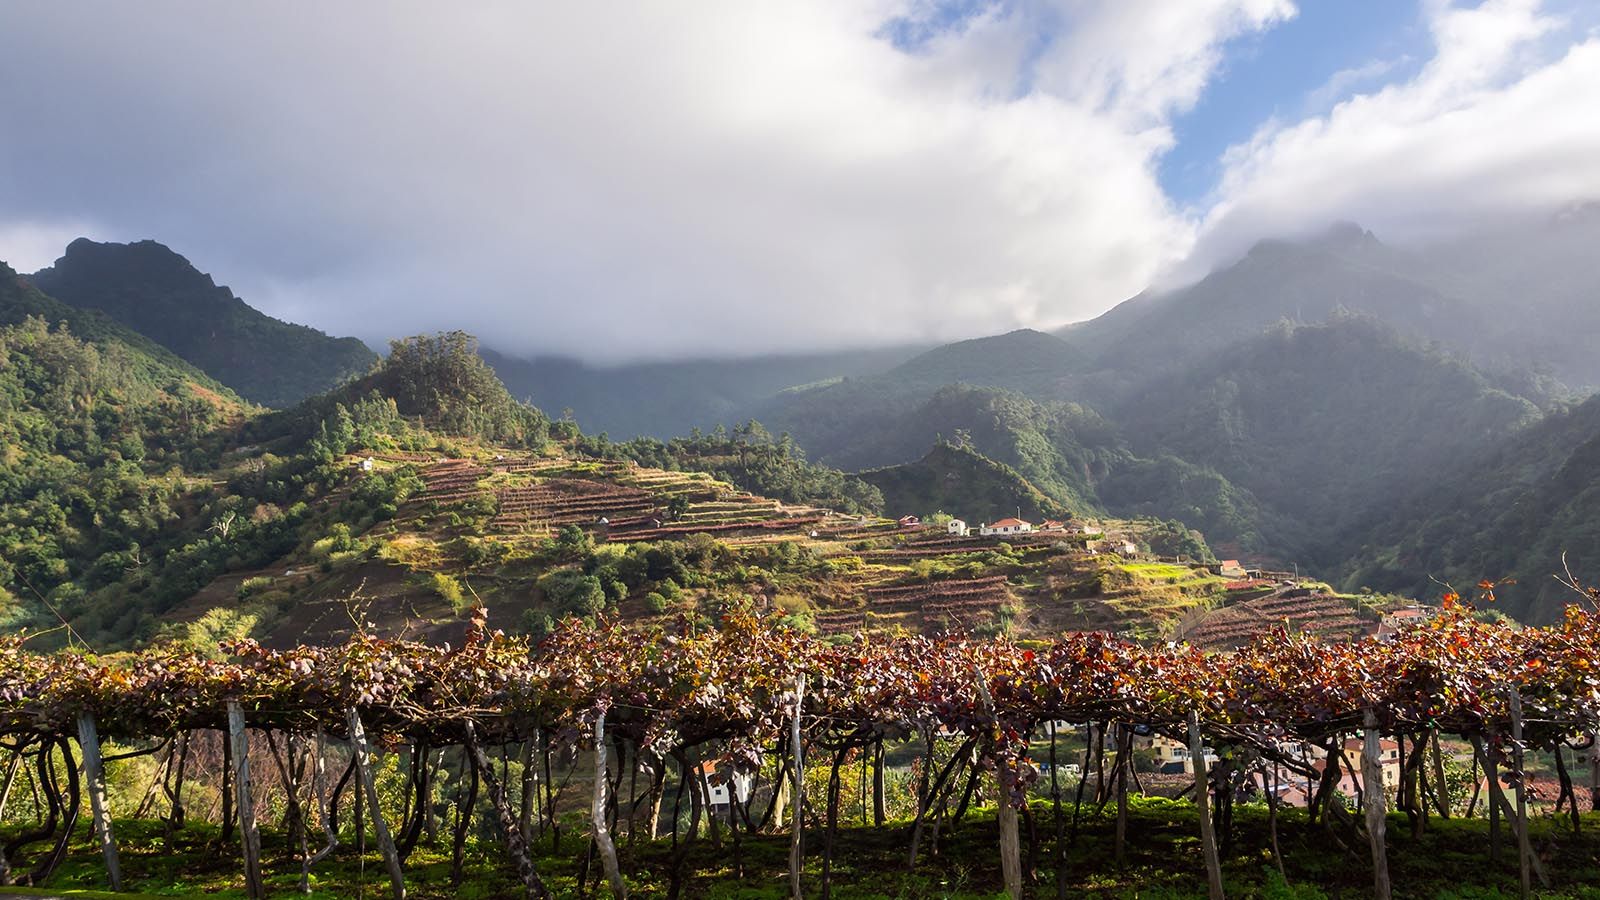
(20, 300)
(1509, 512)
(158, 293)
(438, 381)
(97, 428)
(1321, 423)
(957, 481)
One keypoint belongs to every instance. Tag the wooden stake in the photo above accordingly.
(249, 837)
(1372, 799)
(369, 786)
(1060, 854)
(1006, 814)
(602, 833)
(1524, 847)
(796, 840)
(95, 777)
(1202, 798)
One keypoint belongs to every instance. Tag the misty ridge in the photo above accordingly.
(1279, 405)
(1304, 344)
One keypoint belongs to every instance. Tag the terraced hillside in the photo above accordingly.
(1327, 615)
(538, 536)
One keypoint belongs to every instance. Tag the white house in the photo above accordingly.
(1230, 568)
(719, 787)
(956, 527)
(366, 464)
(1006, 526)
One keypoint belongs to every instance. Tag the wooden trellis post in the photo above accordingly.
(602, 834)
(94, 776)
(1372, 799)
(796, 847)
(1202, 799)
(249, 837)
(369, 786)
(1524, 847)
(1005, 813)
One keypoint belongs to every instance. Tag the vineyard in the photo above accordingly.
(1054, 582)
(1324, 615)
(769, 703)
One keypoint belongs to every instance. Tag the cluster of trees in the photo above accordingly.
(94, 450)
(120, 496)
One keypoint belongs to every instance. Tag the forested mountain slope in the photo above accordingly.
(158, 293)
(1322, 423)
(961, 482)
(1510, 511)
(97, 427)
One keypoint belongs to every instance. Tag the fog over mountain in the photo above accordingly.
(754, 179)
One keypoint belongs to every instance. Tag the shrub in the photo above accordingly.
(449, 589)
(573, 593)
(253, 585)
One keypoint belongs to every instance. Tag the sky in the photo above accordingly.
(658, 180)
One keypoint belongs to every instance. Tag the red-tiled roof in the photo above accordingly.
(1008, 523)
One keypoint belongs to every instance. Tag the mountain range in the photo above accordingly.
(1390, 416)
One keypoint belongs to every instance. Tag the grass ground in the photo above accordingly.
(1162, 860)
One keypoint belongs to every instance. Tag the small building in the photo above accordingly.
(1052, 525)
(1407, 615)
(1350, 781)
(1166, 750)
(366, 464)
(1230, 568)
(956, 527)
(910, 522)
(722, 789)
(1006, 526)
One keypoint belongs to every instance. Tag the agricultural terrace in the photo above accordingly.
(487, 526)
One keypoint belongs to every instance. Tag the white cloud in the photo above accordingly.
(30, 246)
(654, 180)
(732, 177)
(1497, 125)
(1344, 82)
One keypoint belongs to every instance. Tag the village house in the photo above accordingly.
(1230, 568)
(1350, 783)
(1051, 525)
(1168, 752)
(719, 788)
(910, 522)
(1006, 526)
(366, 464)
(1409, 615)
(956, 527)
